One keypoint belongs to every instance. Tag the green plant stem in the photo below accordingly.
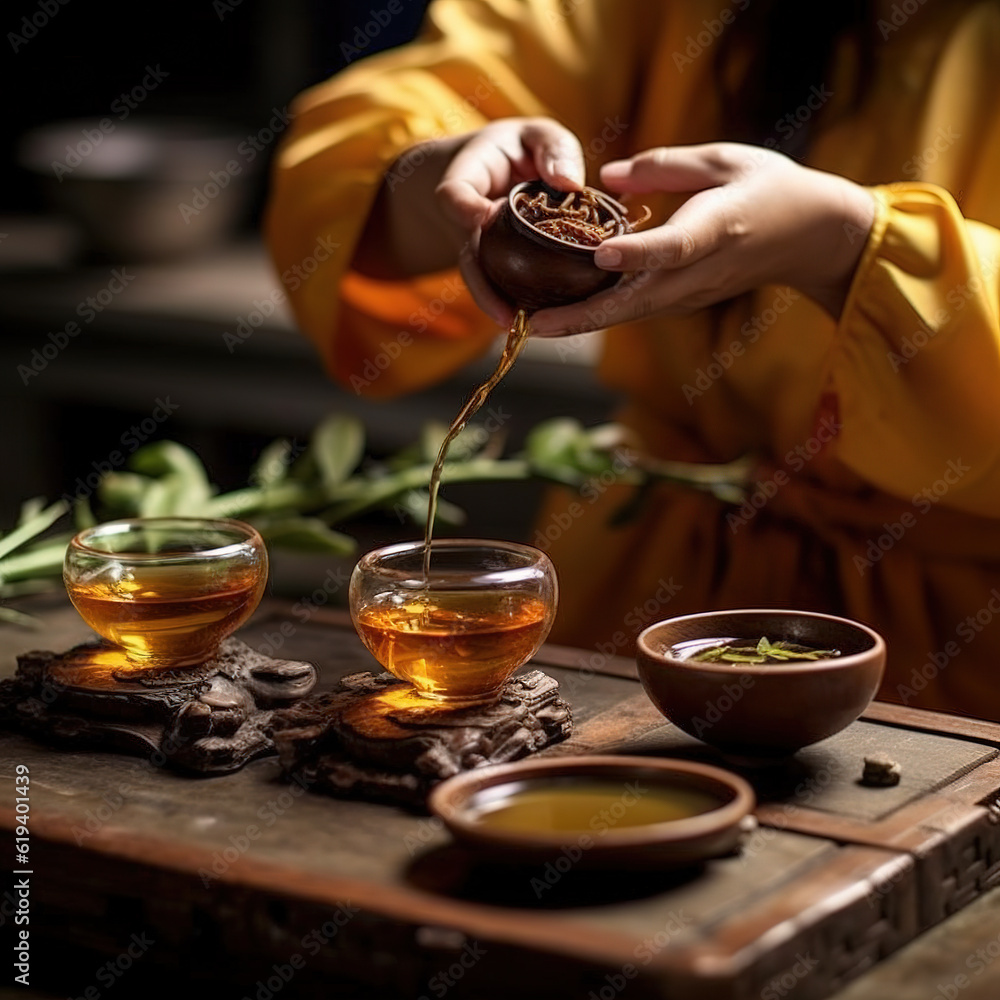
(289, 495)
(378, 491)
(359, 493)
(729, 481)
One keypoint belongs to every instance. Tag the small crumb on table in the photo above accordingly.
(881, 772)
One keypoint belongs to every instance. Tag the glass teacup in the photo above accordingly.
(166, 590)
(459, 635)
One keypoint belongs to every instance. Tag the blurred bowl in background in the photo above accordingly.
(151, 189)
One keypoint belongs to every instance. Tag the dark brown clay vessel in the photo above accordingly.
(762, 709)
(679, 842)
(535, 270)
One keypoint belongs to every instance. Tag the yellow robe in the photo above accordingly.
(880, 493)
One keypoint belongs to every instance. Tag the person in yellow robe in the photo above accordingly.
(837, 316)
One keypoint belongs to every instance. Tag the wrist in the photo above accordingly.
(847, 220)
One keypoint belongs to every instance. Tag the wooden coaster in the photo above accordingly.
(210, 719)
(377, 739)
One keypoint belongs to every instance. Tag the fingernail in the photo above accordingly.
(607, 257)
(568, 170)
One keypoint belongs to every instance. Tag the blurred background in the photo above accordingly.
(121, 127)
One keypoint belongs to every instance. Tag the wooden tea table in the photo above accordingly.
(143, 879)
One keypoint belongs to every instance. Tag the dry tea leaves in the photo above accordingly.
(582, 217)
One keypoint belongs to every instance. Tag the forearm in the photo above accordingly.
(407, 234)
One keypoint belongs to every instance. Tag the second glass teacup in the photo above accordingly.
(459, 635)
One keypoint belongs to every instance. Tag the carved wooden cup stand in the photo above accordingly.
(376, 739)
(373, 738)
(208, 719)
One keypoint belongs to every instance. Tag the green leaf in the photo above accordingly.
(33, 526)
(468, 442)
(45, 560)
(764, 646)
(272, 464)
(553, 441)
(32, 585)
(554, 450)
(416, 503)
(122, 492)
(19, 618)
(83, 516)
(710, 655)
(337, 446)
(431, 435)
(156, 500)
(29, 509)
(783, 655)
(162, 457)
(304, 534)
(165, 497)
(186, 489)
(304, 469)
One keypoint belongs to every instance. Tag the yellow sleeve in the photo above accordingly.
(916, 366)
(475, 61)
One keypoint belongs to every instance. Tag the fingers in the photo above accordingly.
(671, 293)
(556, 152)
(487, 165)
(478, 172)
(500, 311)
(676, 168)
(620, 305)
(694, 231)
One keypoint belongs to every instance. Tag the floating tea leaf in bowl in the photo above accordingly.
(738, 651)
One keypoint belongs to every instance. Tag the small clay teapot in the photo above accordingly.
(534, 269)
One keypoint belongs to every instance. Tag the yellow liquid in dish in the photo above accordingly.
(590, 805)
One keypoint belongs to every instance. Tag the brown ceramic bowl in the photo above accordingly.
(762, 709)
(535, 270)
(461, 801)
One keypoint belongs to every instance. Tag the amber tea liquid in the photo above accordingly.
(166, 616)
(516, 338)
(458, 647)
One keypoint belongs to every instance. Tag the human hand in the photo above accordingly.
(476, 182)
(439, 193)
(755, 217)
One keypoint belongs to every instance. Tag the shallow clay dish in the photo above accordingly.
(762, 709)
(460, 800)
(535, 270)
